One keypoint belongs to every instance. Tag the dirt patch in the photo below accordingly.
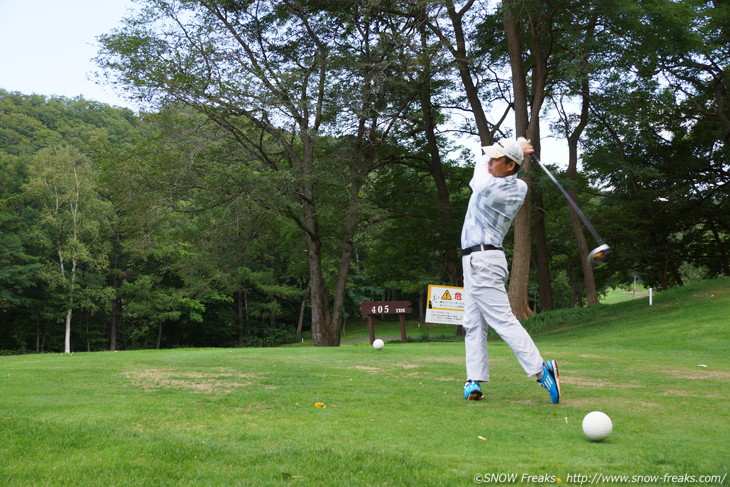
(368, 369)
(592, 404)
(221, 381)
(445, 360)
(706, 395)
(596, 383)
(701, 373)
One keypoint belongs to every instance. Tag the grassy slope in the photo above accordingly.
(393, 417)
(618, 295)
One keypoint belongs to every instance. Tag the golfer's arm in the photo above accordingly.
(481, 173)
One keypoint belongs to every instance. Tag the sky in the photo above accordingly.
(47, 46)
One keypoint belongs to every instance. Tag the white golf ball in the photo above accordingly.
(597, 426)
(378, 344)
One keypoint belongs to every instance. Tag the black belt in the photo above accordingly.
(478, 248)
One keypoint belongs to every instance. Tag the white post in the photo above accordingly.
(651, 296)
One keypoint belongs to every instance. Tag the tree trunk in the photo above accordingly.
(576, 297)
(573, 138)
(67, 336)
(520, 271)
(526, 124)
(116, 311)
(589, 281)
(345, 260)
(69, 312)
(240, 311)
(575, 222)
(88, 334)
(322, 332)
(159, 336)
(721, 249)
(302, 309)
(37, 335)
(542, 257)
(300, 322)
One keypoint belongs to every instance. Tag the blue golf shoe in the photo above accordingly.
(551, 380)
(472, 390)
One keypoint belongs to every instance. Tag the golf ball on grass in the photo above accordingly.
(378, 344)
(597, 426)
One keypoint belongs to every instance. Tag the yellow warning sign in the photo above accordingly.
(445, 304)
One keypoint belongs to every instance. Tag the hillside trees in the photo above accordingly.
(18, 267)
(54, 210)
(280, 77)
(223, 219)
(76, 225)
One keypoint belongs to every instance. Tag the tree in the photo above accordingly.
(537, 33)
(521, 44)
(578, 68)
(455, 36)
(152, 304)
(18, 268)
(277, 76)
(71, 224)
(658, 139)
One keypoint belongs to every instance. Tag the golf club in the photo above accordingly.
(598, 256)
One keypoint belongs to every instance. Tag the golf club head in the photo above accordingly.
(599, 256)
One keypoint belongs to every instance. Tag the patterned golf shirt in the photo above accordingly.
(492, 206)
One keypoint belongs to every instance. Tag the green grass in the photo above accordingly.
(395, 417)
(618, 295)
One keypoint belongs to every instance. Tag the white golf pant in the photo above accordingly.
(487, 304)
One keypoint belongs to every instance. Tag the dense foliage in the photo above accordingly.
(296, 159)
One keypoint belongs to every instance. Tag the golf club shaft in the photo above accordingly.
(572, 203)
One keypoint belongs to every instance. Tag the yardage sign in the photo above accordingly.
(385, 307)
(445, 304)
(370, 308)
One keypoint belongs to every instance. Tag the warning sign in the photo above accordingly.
(445, 304)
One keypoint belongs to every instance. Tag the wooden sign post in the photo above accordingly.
(370, 308)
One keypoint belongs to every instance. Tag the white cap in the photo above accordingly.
(505, 147)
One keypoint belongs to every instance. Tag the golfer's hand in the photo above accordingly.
(527, 148)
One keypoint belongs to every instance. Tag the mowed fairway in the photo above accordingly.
(229, 417)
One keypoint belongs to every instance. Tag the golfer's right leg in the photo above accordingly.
(475, 329)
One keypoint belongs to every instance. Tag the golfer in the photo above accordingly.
(497, 195)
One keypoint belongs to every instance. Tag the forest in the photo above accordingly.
(296, 157)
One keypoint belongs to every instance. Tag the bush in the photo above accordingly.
(271, 337)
